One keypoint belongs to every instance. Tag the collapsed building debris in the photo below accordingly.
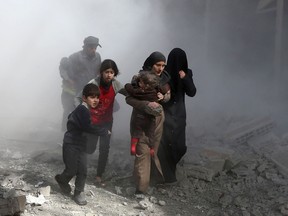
(216, 178)
(244, 132)
(12, 206)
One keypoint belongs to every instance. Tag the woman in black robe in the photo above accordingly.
(173, 141)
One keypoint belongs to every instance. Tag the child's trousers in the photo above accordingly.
(142, 163)
(75, 162)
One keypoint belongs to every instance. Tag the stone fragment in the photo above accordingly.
(200, 172)
(12, 206)
(161, 202)
(45, 191)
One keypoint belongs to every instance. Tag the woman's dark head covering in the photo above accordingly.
(153, 59)
(177, 60)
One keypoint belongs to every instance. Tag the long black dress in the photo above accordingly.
(173, 143)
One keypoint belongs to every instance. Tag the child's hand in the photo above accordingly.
(152, 151)
(182, 74)
(160, 96)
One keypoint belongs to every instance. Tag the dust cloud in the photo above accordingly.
(229, 48)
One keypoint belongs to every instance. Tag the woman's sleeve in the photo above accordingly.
(136, 103)
(188, 84)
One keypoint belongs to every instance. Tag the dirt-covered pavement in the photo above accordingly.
(242, 180)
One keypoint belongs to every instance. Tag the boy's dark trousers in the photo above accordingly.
(75, 161)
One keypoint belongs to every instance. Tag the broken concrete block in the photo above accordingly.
(251, 129)
(36, 200)
(284, 209)
(266, 144)
(220, 158)
(10, 193)
(12, 206)
(45, 191)
(281, 160)
(200, 172)
(216, 153)
(217, 165)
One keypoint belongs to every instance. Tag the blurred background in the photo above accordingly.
(237, 49)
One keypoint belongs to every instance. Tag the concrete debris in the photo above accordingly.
(39, 200)
(144, 204)
(216, 178)
(45, 191)
(281, 160)
(162, 203)
(118, 190)
(284, 209)
(243, 133)
(12, 206)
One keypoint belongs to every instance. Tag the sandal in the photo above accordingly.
(99, 182)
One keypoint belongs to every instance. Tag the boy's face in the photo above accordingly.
(108, 75)
(92, 101)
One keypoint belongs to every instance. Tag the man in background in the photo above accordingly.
(76, 71)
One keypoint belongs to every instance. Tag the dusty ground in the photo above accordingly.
(252, 186)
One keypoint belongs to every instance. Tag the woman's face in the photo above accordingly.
(108, 75)
(158, 68)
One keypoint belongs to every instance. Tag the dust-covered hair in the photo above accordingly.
(149, 78)
(91, 90)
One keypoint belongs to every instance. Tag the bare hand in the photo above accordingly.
(160, 96)
(182, 74)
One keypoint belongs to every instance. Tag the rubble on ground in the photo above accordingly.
(242, 175)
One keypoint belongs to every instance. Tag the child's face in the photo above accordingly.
(108, 75)
(92, 101)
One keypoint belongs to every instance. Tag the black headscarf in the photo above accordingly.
(153, 59)
(177, 60)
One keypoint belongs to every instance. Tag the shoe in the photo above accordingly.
(139, 195)
(65, 187)
(133, 144)
(99, 182)
(79, 198)
(152, 152)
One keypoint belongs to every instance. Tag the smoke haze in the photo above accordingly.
(229, 46)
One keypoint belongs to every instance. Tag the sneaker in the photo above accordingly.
(99, 182)
(139, 195)
(79, 198)
(65, 187)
